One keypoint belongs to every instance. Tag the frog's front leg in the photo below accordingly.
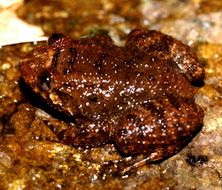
(87, 133)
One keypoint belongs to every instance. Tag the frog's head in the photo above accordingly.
(43, 68)
(38, 66)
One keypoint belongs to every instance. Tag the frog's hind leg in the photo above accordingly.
(157, 129)
(162, 45)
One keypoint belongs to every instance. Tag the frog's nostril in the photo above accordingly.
(45, 81)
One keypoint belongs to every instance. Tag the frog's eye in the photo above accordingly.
(55, 37)
(45, 81)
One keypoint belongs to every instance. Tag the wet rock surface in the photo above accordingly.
(31, 156)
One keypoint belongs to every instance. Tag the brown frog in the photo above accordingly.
(139, 97)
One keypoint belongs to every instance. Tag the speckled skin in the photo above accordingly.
(138, 97)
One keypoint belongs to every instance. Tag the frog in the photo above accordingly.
(140, 97)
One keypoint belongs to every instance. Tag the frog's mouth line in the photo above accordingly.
(39, 102)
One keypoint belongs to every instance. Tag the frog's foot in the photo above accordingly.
(126, 166)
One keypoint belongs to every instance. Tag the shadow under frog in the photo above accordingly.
(139, 97)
